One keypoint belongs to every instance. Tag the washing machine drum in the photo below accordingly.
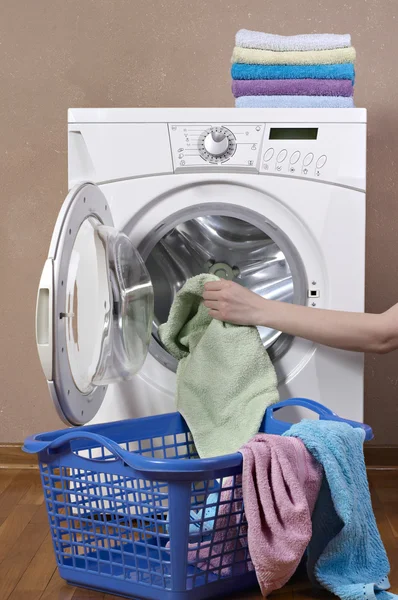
(101, 301)
(230, 248)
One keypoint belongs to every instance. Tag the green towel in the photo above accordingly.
(225, 378)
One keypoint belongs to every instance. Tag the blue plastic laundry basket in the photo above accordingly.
(120, 498)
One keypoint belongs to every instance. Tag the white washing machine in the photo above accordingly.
(273, 198)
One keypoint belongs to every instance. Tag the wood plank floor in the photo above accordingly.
(27, 565)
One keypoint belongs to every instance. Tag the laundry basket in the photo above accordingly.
(121, 497)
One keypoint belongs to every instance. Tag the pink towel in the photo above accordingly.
(280, 484)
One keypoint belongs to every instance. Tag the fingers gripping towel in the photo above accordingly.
(225, 378)
(346, 554)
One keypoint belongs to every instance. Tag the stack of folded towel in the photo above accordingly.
(315, 71)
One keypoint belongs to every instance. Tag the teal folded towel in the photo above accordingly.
(294, 102)
(225, 378)
(246, 71)
(346, 554)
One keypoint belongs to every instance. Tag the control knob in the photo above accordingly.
(217, 144)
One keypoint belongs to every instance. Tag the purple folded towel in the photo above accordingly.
(292, 87)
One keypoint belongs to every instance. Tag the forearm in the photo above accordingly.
(232, 303)
(349, 331)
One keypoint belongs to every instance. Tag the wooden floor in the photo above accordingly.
(27, 565)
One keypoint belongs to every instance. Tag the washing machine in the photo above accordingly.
(273, 199)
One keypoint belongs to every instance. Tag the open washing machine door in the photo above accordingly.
(94, 309)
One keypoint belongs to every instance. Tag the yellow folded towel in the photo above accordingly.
(309, 57)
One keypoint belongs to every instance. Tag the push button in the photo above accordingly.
(308, 159)
(268, 154)
(321, 161)
(281, 156)
(294, 157)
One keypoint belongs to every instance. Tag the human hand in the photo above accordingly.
(231, 302)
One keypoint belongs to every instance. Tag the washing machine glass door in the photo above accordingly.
(94, 307)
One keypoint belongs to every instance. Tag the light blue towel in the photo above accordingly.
(200, 523)
(294, 102)
(346, 554)
(246, 38)
(245, 71)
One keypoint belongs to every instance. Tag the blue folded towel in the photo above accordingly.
(245, 71)
(346, 554)
(294, 102)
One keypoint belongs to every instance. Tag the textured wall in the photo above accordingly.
(78, 53)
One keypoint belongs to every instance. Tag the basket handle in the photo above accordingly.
(276, 426)
(63, 442)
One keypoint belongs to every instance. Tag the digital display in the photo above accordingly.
(293, 133)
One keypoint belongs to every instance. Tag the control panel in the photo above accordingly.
(229, 146)
(329, 152)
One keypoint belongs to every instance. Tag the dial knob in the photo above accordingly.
(217, 144)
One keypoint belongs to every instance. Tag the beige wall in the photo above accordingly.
(75, 53)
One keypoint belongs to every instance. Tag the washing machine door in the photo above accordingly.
(94, 307)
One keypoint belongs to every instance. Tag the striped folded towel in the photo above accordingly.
(292, 87)
(246, 38)
(294, 102)
(241, 71)
(312, 57)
